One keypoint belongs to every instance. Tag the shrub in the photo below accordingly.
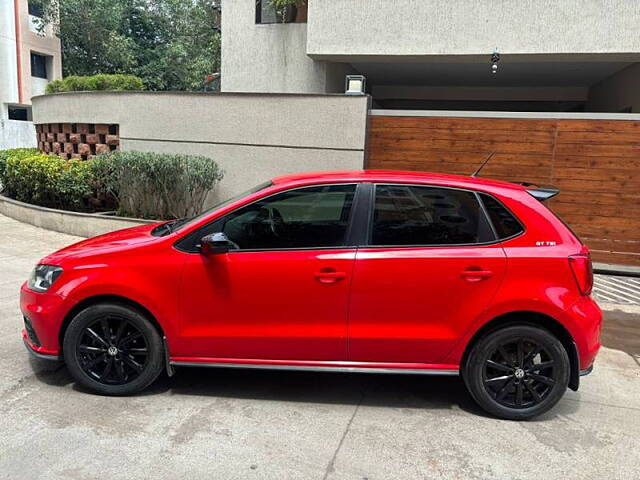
(12, 152)
(76, 83)
(154, 185)
(48, 180)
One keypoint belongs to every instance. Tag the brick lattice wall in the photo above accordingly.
(77, 140)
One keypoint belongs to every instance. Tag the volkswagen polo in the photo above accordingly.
(368, 271)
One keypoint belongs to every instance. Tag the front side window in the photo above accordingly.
(416, 215)
(312, 217)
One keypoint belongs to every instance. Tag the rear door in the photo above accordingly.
(430, 268)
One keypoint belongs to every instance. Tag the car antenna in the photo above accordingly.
(475, 174)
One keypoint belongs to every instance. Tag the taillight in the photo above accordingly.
(582, 272)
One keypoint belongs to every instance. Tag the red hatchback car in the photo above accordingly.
(368, 271)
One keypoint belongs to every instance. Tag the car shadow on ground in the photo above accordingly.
(375, 390)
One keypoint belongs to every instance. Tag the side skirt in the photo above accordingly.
(343, 367)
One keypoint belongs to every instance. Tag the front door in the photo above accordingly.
(281, 293)
(429, 271)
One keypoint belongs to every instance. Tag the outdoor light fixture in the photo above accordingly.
(495, 58)
(355, 85)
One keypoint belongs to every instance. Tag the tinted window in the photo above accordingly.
(38, 65)
(505, 224)
(302, 218)
(412, 215)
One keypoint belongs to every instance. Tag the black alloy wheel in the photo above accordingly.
(113, 349)
(520, 373)
(517, 372)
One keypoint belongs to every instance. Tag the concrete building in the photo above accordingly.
(29, 59)
(554, 56)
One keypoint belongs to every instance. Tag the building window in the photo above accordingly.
(19, 113)
(35, 9)
(38, 65)
(267, 13)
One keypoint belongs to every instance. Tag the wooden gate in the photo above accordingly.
(594, 163)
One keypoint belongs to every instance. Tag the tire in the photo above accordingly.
(517, 372)
(113, 349)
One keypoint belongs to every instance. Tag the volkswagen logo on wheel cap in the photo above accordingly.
(113, 351)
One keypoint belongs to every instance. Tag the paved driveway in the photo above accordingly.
(227, 424)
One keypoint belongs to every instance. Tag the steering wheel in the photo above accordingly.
(276, 222)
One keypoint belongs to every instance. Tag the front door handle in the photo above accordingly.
(476, 274)
(329, 275)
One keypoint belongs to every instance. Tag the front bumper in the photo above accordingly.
(43, 313)
(38, 352)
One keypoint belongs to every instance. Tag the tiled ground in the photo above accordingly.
(619, 290)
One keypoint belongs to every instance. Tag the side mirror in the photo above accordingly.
(214, 243)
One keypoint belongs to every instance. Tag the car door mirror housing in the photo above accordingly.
(214, 243)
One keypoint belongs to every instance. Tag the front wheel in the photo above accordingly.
(113, 349)
(517, 372)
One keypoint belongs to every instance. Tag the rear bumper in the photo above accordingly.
(585, 328)
(586, 371)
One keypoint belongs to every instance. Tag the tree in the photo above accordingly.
(170, 44)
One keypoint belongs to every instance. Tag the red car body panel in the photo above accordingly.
(409, 308)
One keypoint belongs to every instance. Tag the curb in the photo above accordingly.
(63, 221)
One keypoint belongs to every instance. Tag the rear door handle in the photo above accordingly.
(475, 275)
(329, 276)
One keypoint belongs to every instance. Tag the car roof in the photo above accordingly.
(394, 176)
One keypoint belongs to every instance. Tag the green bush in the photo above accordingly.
(47, 180)
(154, 185)
(12, 152)
(76, 83)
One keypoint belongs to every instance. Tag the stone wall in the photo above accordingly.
(77, 140)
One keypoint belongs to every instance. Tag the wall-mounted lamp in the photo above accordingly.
(355, 85)
(495, 58)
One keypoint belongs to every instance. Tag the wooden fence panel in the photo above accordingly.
(595, 163)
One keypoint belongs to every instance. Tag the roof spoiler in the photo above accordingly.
(541, 193)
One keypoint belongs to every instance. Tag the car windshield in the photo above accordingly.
(182, 222)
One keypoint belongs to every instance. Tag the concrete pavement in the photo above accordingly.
(234, 424)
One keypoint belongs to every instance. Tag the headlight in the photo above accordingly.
(42, 277)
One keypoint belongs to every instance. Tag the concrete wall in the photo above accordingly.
(8, 64)
(271, 58)
(471, 27)
(45, 43)
(253, 137)
(618, 92)
(16, 134)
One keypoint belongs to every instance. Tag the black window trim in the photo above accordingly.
(359, 203)
(476, 193)
(484, 207)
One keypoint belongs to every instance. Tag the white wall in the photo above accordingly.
(16, 134)
(471, 27)
(8, 65)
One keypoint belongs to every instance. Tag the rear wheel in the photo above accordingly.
(113, 349)
(517, 372)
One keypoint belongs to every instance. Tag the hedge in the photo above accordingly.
(137, 184)
(154, 185)
(47, 180)
(76, 83)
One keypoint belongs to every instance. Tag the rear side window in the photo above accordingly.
(406, 215)
(504, 223)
